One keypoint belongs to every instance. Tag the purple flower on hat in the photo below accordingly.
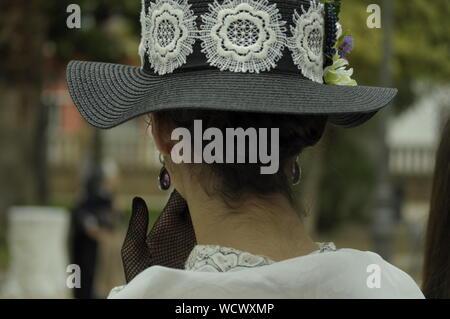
(346, 47)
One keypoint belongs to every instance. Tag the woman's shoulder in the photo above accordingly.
(161, 282)
(353, 273)
(343, 273)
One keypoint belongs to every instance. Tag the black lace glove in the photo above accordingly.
(168, 243)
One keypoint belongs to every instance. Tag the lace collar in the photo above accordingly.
(215, 258)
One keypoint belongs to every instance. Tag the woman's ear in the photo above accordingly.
(162, 131)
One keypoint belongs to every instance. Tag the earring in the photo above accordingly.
(164, 177)
(296, 172)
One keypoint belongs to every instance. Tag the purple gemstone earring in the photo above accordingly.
(296, 172)
(164, 177)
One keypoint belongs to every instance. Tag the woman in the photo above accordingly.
(436, 275)
(91, 219)
(231, 227)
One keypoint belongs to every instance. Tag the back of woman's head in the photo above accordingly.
(436, 273)
(232, 181)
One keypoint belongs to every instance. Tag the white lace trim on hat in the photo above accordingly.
(307, 41)
(168, 34)
(243, 35)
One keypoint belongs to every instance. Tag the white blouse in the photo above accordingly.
(213, 271)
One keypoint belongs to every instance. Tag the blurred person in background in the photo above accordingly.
(436, 269)
(109, 271)
(92, 220)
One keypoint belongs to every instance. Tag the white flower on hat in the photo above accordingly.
(243, 35)
(307, 41)
(337, 73)
(338, 31)
(168, 34)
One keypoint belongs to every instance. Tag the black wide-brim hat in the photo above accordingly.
(232, 55)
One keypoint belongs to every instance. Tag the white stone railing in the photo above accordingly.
(37, 245)
(129, 151)
(412, 160)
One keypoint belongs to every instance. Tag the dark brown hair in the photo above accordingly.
(436, 270)
(236, 180)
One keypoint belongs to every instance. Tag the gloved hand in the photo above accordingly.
(167, 244)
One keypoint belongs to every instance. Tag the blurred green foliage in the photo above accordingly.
(421, 44)
(348, 178)
(420, 41)
(4, 256)
(110, 30)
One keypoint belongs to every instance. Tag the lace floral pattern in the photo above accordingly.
(235, 35)
(168, 34)
(325, 247)
(243, 35)
(215, 258)
(307, 41)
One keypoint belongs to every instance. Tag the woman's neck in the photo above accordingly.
(269, 227)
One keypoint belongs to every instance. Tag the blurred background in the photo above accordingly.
(66, 188)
